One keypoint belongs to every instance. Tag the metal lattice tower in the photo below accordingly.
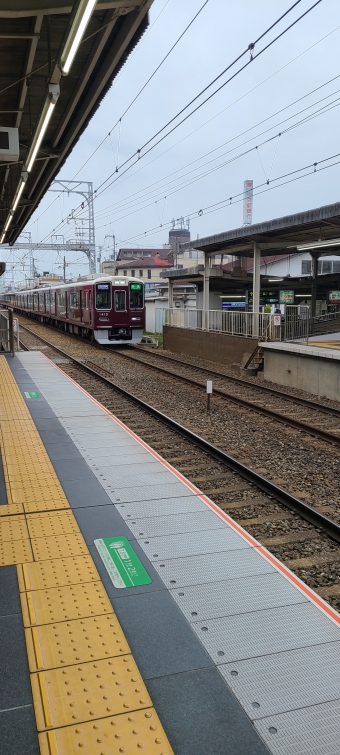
(85, 242)
(90, 251)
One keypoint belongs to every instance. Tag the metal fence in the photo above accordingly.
(324, 324)
(296, 323)
(9, 331)
(247, 324)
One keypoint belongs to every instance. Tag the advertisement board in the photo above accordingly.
(334, 297)
(247, 202)
(286, 297)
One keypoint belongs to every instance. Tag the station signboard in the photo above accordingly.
(334, 297)
(266, 297)
(286, 297)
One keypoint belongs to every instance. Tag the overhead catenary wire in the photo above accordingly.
(150, 201)
(137, 155)
(97, 193)
(322, 39)
(250, 91)
(215, 149)
(119, 121)
(239, 197)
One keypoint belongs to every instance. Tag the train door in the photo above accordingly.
(90, 306)
(86, 307)
(119, 306)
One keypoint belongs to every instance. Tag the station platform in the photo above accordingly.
(312, 367)
(328, 341)
(136, 616)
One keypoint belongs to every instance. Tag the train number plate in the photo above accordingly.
(121, 562)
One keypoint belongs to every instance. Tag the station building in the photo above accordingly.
(242, 305)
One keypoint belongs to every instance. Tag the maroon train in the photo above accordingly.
(110, 310)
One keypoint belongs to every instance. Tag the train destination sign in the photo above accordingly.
(121, 562)
(32, 394)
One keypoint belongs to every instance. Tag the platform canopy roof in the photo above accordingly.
(316, 231)
(32, 36)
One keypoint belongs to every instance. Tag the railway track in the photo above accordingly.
(250, 402)
(302, 536)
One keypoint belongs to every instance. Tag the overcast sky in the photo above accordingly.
(304, 59)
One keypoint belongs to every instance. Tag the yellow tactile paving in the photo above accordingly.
(56, 523)
(87, 691)
(11, 509)
(69, 642)
(35, 506)
(325, 344)
(15, 552)
(62, 603)
(20, 464)
(57, 572)
(58, 546)
(13, 528)
(39, 490)
(83, 675)
(129, 733)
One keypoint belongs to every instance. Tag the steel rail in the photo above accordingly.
(246, 383)
(214, 373)
(282, 496)
(271, 413)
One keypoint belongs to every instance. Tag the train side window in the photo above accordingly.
(136, 296)
(74, 304)
(73, 299)
(120, 301)
(103, 296)
(61, 303)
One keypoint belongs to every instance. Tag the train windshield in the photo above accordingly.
(103, 296)
(136, 296)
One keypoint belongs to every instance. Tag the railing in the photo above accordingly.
(324, 324)
(296, 323)
(245, 324)
(9, 328)
(300, 326)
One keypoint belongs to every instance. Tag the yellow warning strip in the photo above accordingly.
(88, 693)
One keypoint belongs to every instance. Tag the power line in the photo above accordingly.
(236, 198)
(250, 91)
(149, 79)
(282, 33)
(137, 155)
(118, 122)
(188, 135)
(326, 108)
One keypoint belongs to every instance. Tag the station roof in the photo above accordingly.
(319, 229)
(32, 32)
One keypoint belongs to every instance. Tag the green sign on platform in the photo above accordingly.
(121, 562)
(32, 394)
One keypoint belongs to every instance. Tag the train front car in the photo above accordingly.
(119, 311)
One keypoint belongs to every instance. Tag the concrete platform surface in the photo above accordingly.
(230, 645)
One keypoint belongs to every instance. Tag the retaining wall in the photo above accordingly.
(216, 347)
(313, 373)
